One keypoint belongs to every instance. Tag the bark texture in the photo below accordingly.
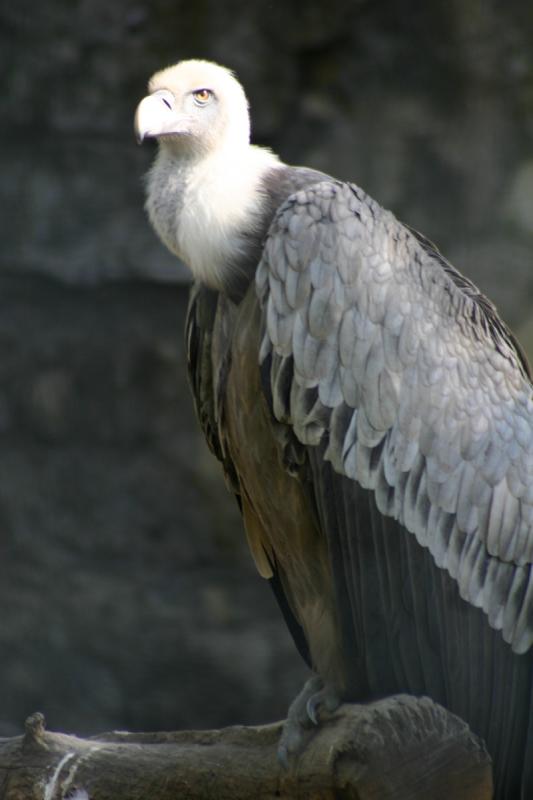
(402, 747)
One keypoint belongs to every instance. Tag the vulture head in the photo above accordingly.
(196, 107)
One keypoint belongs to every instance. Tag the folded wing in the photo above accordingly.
(379, 351)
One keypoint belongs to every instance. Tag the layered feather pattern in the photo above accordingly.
(424, 402)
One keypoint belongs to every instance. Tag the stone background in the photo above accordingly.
(127, 596)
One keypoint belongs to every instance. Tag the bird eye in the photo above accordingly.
(202, 96)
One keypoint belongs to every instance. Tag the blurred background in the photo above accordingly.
(127, 596)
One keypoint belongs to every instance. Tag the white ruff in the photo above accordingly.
(222, 201)
(209, 205)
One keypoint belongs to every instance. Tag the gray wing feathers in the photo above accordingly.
(422, 400)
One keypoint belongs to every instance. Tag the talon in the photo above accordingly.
(312, 708)
(303, 714)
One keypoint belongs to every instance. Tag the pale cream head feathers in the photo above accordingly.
(194, 105)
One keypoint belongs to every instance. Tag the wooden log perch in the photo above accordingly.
(402, 747)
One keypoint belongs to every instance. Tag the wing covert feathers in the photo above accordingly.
(381, 350)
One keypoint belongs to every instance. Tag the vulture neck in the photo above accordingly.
(212, 210)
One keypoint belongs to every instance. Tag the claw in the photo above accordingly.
(326, 698)
(312, 708)
(295, 729)
(303, 713)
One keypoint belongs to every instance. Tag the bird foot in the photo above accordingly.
(304, 713)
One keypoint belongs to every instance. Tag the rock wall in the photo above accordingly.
(128, 597)
(127, 593)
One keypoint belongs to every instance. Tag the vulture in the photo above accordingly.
(373, 416)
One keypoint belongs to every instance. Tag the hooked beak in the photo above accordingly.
(155, 116)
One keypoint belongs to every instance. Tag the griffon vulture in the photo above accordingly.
(372, 413)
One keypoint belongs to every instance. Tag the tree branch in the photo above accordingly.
(402, 747)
